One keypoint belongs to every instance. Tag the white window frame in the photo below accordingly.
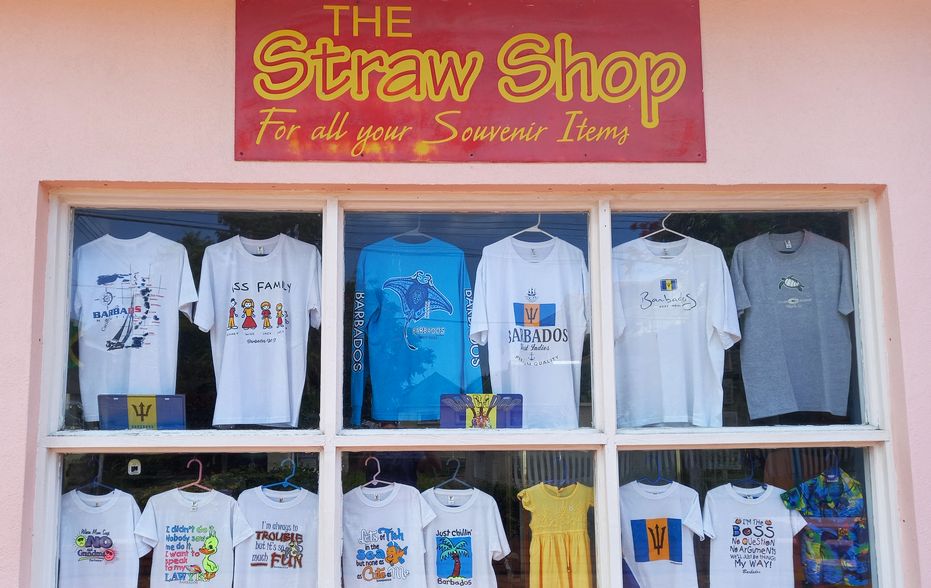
(604, 440)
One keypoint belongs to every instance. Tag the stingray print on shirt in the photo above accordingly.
(127, 302)
(419, 297)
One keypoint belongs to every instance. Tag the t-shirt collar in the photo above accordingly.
(100, 504)
(435, 493)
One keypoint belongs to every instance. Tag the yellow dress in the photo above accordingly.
(559, 543)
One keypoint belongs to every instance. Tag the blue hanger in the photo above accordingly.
(286, 483)
(659, 480)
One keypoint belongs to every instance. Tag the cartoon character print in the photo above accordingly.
(231, 324)
(394, 553)
(248, 308)
(266, 314)
(279, 314)
(209, 568)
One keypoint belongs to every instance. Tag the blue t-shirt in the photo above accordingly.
(410, 329)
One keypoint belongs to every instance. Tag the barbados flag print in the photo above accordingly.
(657, 539)
(668, 285)
(534, 315)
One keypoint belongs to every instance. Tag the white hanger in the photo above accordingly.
(415, 232)
(371, 483)
(533, 229)
(663, 227)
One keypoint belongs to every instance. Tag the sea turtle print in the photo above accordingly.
(419, 297)
(791, 281)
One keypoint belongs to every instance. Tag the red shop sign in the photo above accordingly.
(470, 80)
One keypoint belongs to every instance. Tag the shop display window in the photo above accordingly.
(432, 347)
(467, 321)
(767, 517)
(148, 321)
(490, 518)
(172, 519)
(734, 319)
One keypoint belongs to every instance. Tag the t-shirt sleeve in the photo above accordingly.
(478, 330)
(146, 526)
(741, 298)
(142, 547)
(797, 520)
(723, 305)
(426, 513)
(204, 313)
(708, 517)
(471, 371)
(693, 519)
(187, 294)
(845, 300)
(362, 307)
(239, 526)
(498, 546)
(313, 289)
(620, 321)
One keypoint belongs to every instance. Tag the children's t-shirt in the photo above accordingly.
(532, 310)
(410, 329)
(751, 534)
(674, 315)
(126, 294)
(465, 536)
(383, 536)
(796, 352)
(283, 550)
(97, 544)
(192, 535)
(657, 527)
(258, 300)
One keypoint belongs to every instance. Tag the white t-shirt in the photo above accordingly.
(657, 527)
(674, 315)
(97, 546)
(466, 534)
(126, 294)
(283, 551)
(383, 536)
(751, 534)
(532, 309)
(257, 300)
(193, 535)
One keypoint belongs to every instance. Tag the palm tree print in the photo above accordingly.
(448, 549)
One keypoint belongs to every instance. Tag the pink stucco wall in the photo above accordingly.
(835, 91)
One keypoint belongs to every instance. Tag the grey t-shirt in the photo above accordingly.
(794, 292)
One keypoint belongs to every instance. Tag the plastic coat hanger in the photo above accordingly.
(455, 477)
(286, 482)
(664, 229)
(413, 233)
(200, 475)
(374, 482)
(659, 480)
(749, 482)
(96, 483)
(533, 229)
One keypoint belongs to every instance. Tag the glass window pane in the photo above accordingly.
(445, 310)
(133, 314)
(502, 522)
(760, 517)
(187, 535)
(734, 319)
